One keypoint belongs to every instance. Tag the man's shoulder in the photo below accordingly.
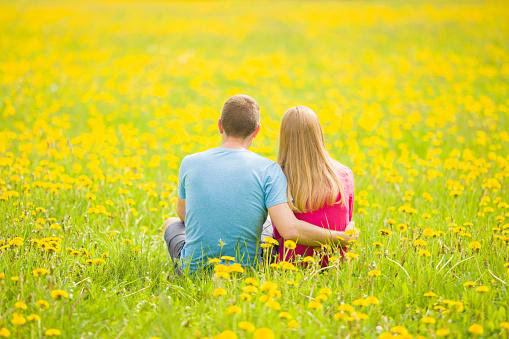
(197, 156)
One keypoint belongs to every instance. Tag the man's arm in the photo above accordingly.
(181, 209)
(302, 232)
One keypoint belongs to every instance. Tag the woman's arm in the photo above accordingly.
(290, 228)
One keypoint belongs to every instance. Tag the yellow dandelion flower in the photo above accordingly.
(290, 244)
(251, 281)
(315, 305)
(399, 330)
(59, 294)
(428, 320)
(18, 319)
(52, 332)
(475, 245)
(263, 333)
(482, 289)
(234, 309)
(33, 317)
(285, 315)
(246, 326)
(442, 332)
(219, 292)
(293, 324)
(245, 296)
(476, 329)
(5, 332)
(21, 305)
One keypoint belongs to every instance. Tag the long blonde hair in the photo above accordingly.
(312, 179)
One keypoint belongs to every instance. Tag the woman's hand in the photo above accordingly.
(353, 235)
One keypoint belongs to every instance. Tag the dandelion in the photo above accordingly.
(420, 242)
(251, 281)
(234, 309)
(428, 232)
(21, 305)
(5, 332)
(214, 261)
(360, 302)
(339, 316)
(321, 297)
(442, 332)
(245, 296)
(52, 332)
(373, 300)
(399, 330)
(285, 315)
(57, 294)
(476, 329)
(293, 324)
(246, 326)
(326, 291)
(250, 289)
(482, 289)
(219, 292)
(375, 273)
(469, 283)
(351, 255)
(385, 231)
(18, 319)
(227, 258)
(273, 304)
(475, 245)
(430, 294)
(428, 320)
(223, 275)
(269, 285)
(263, 333)
(315, 305)
(289, 244)
(271, 241)
(401, 227)
(33, 317)
(424, 253)
(42, 304)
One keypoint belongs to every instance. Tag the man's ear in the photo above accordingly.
(257, 130)
(220, 126)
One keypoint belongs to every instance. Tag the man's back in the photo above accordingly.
(227, 193)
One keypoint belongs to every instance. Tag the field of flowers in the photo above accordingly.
(100, 101)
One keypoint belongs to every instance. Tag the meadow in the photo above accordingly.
(101, 100)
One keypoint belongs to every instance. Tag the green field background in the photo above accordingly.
(101, 100)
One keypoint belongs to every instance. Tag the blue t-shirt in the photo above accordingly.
(227, 193)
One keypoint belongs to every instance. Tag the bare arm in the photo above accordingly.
(181, 209)
(302, 232)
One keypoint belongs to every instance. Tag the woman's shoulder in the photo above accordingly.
(342, 169)
(344, 172)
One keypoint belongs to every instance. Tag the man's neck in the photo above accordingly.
(234, 143)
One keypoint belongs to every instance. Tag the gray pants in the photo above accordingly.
(175, 238)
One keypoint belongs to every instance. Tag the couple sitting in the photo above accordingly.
(224, 193)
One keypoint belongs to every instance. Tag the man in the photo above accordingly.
(224, 194)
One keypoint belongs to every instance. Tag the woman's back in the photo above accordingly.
(335, 217)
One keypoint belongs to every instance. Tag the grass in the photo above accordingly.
(100, 101)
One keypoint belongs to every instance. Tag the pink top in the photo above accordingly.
(335, 217)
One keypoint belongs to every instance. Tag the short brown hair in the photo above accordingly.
(240, 116)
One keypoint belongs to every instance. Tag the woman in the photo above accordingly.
(320, 189)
